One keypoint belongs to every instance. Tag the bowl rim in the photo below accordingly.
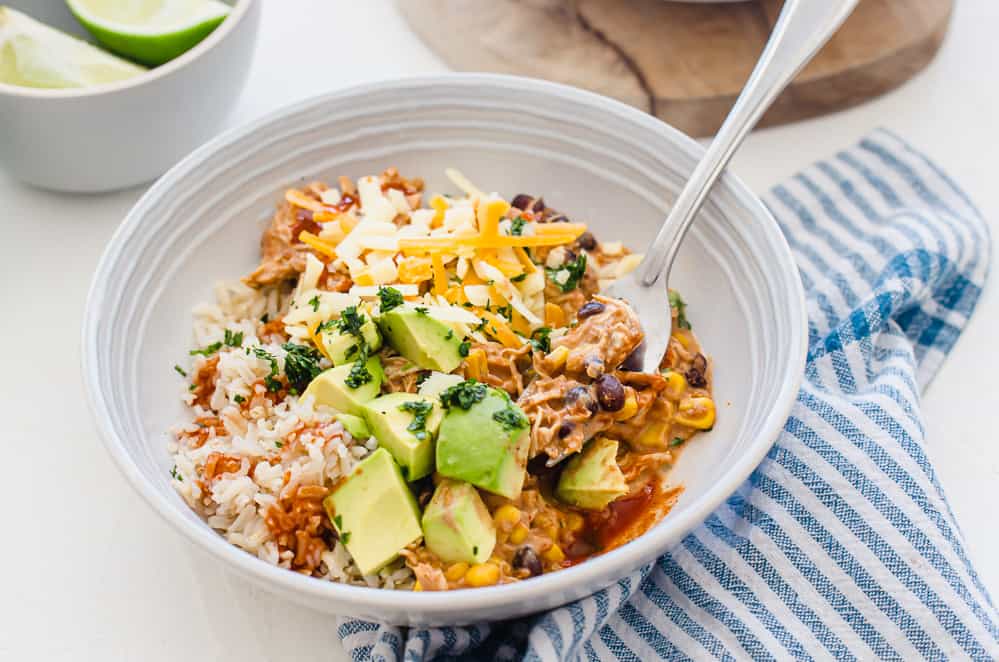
(239, 11)
(604, 569)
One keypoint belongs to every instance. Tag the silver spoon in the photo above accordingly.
(802, 28)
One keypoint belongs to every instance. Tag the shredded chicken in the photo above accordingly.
(506, 366)
(602, 341)
(401, 374)
(282, 255)
(564, 414)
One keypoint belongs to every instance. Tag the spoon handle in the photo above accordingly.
(802, 28)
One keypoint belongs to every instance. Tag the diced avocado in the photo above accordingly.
(390, 418)
(343, 347)
(480, 444)
(436, 383)
(374, 512)
(456, 525)
(427, 342)
(593, 479)
(331, 387)
(355, 425)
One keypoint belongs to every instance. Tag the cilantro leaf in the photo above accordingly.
(314, 302)
(541, 339)
(517, 226)
(233, 339)
(206, 351)
(511, 418)
(464, 347)
(271, 381)
(463, 395)
(677, 302)
(180, 371)
(573, 270)
(420, 409)
(389, 298)
(301, 365)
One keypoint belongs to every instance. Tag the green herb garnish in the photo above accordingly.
(505, 311)
(677, 302)
(238, 399)
(574, 270)
(421, 310)
(677, 441)
(206, 351)
(233, 339)
(541, 339)
(328, 325)
(464, 347)
(180, 371)
(301, 365)
(359, 373)
(420, 409)
(351, 321)
(449, 334)
(511, 418)
(390, 298)
(271, 381)
(314, 302)
(517, 226)
(518, 278)
(463, 395)
(345, 537)
(176, 475)
(338, 522)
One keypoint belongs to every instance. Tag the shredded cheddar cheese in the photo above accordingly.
(316, 243)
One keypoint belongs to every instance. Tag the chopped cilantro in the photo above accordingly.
(271, 379)
(475, 550)
(421, 310)
(463, 395)
(518, 277)
(449, 334)
(420, 409)
(541, 339)
(238, 399)
(517, 226)
(233, 339)
(677, 441)
(338, 522)
(301, 365)
(192, 387)
(676, 301)
(350, 351)
(328, 325)
(574, 270)
(207, 351)
(314, 302)
(389, 298)
(511, 418)
(176, 474)
(359, 373)
(467, 304)
(345, 537)
(424, 376)
(464, 347)
(180, 371)
(351, 321)
(505, 311)
(279, 444)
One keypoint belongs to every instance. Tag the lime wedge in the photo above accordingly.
(33, 54)
(149, 31)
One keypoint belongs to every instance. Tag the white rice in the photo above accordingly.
(236, 503)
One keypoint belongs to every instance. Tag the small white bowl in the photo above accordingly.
(114, 136)
(596, 159)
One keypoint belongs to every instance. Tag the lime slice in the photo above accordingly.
(33, 54)
(149, 31)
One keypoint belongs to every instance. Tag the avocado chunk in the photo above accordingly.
(427, 342)
(485, 443)
(592, 479)
(343, 347)
(333, 387)
(405, 425)
(355, 425)
(374, 512)
(456, 524)
(437, 383)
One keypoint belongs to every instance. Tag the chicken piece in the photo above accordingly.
(603, 339)
(506, 366)
(564, 414)
(282, 255)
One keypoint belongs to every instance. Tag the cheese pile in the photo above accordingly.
(462, 258)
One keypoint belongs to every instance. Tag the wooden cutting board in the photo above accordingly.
(685, 63)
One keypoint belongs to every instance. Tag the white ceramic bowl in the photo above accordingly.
(596, 159)
(118, 135)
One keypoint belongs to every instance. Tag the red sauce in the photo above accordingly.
(304, 223)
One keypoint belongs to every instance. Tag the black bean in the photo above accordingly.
(527, 559)
(590, 308)
(610, 393)
(582, 395)
(695, 375)
(635, 360)
(565, 429)
(587, 241)
(521, 201)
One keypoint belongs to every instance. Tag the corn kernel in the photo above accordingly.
(363, 278)
(698, 413)
(553, 554)
(482, 574)
(574, 522)
(519, 534)
(683, 337)
(652, 436)
(676, 385)
(630, 407)
(456, 571)
(417, 586)
(558, 356)
(507, 516)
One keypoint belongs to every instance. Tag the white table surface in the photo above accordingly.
(90, 572)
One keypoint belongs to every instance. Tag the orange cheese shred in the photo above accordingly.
(499, 329)
(440, 276)
(315, 243)
(554, 316)
(299, 199)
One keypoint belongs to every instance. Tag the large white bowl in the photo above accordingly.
(121, 134)
(596, 159)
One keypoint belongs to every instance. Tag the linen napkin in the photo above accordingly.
(841, 545)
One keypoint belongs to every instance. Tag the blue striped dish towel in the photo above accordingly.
(841, 545)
